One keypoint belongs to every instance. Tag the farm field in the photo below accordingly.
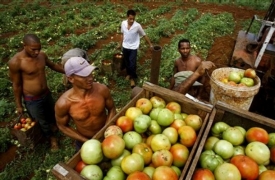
(211, 26)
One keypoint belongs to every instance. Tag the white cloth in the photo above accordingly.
(182, 75)
(132, 36)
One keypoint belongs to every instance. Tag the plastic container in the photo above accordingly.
(237, 96)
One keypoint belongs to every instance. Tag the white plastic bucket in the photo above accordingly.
(238, 96)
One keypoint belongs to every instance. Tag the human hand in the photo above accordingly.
(19, 110)
(205, 65)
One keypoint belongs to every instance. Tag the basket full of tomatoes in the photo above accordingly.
(26, 130)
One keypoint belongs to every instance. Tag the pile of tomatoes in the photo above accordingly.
(24, 124)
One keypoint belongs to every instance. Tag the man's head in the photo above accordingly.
(184, 47)
(131, 14)
(32, 45)
(78, 66)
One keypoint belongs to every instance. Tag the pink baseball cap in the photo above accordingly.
(78, 66)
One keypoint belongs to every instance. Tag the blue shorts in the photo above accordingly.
(78, 145)
(41, 109)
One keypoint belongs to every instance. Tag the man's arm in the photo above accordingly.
(62, 121)
(172, 81)
(17, 84)
(54, 66)
(148, 41)
(185, 85)
(110, 106)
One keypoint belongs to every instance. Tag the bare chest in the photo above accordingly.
(185, 66)
(33, 67)
(88, 108)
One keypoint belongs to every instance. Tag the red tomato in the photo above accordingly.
(187, 135)
(272, 154)
(162, 158)
(144, 150)
(17, 126)
(138, 176)
(164, 173)
(180, 154)
(125, 123)
(113, 146)
(23, 120)
(248, 168)
(203, 174)
(80, 165)
(257, 134)
(267, 175)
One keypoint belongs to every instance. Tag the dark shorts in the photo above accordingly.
(78, 145)
(130, 62)
(41, 109)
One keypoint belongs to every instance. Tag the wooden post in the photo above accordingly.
(155, 64)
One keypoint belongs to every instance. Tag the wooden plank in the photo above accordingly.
(63, 172)
(169, 95)
(200, 147)
(195, 146)
(74, 160)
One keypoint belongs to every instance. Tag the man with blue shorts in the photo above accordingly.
(28, 76)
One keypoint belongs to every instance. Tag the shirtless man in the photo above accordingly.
(88, 104)
(189, 64)
(27, 73)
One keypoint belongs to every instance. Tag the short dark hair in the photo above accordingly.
(30, 38)
(131, 12)
(183, 41)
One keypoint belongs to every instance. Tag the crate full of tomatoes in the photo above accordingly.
(236, 145)
(27, 131)
(155, 135)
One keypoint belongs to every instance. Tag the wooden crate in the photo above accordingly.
(64, 171)
(234, 117)
(28, 138)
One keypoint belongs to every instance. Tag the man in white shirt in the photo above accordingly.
(130, 41)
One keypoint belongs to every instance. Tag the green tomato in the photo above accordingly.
(210, 160)
(115, 173)
(218, 128)
(142, 123)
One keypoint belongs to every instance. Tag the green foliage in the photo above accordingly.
(7, 107)
(5, 138)
(255, 27)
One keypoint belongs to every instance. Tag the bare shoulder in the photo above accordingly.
(15, 61)
(196, 58)
(63, 100)
(100, 87)
(63, 104)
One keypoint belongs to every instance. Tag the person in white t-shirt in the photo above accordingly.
(132, 32)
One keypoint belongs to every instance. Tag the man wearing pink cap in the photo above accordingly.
(88, 103)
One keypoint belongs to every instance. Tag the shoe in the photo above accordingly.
(133, 84)
(127, 77)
